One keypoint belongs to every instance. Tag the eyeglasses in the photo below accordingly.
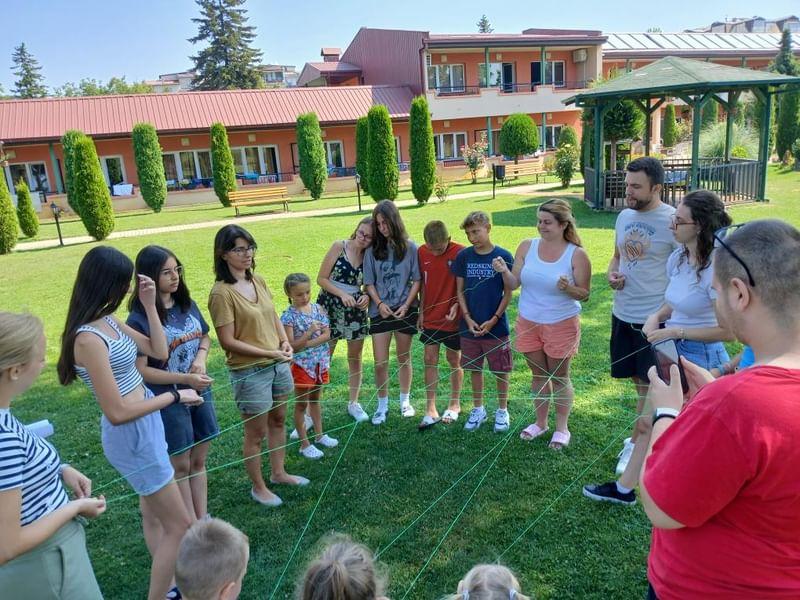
(177, 271)
(242, 250)
(719, 237)
(676, 222)
(363, 236)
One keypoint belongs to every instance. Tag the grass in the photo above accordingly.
(442, 500)
(198, 213)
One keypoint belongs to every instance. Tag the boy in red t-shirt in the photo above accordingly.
(438, 319)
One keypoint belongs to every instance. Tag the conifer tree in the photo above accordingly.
(30, 82)
(483, 25)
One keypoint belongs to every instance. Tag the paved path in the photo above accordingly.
(83, 239)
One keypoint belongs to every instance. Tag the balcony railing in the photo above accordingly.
(507, 88)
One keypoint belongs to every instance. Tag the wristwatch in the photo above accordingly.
(662, 413)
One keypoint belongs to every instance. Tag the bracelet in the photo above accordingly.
(175, 395)
(498, 317)
(379, 303)
(202, 348)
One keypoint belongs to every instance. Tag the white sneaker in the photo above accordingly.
(328, 441)
(312, 452)
(625, 456)
(359, 414)
(501, 420)
(407, 410)
(476, 418)
(309, 423)
(379, 418)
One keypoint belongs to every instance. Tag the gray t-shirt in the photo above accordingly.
(391, 277)
(644, 242)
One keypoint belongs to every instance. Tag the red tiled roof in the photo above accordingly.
(47, 119)
(531, 37)
(331, 51)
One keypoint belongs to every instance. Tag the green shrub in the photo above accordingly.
(422, 151)
(68, 141)
(518, 135)
(712, 141)
(787, 128)
(311, 151)
(739, 152)
(362, 152)
(149, 165)
(28, 221)
(441, 188)
(222, 169)
(669, 133)
(383, 169)
(8, 219)
(91, 191)
(567, 136)
(709, 114)
(566, 161)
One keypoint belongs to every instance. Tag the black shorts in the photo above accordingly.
(631, 354)
(407, 324)
(434, 337)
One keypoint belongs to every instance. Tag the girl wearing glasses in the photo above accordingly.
(341, 279)
(258, 355)
(187, 429)
(688, 309)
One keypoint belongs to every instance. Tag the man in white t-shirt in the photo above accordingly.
(638, 274)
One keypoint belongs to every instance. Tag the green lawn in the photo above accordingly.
(432, 503)
(198, 213)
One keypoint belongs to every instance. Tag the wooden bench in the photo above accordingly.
(534, 167)
(259, 197)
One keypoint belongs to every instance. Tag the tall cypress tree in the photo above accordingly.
(30, 82)
(423, 152)
(149, 165)
(383, 168)
(68, 141)
(9, 230)
(228, 62)
(669, 133)
(311, 152)
(222, 167)
(787, 128)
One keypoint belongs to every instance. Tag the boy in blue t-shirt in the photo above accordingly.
(483, 298)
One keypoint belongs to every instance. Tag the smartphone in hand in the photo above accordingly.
(666, 353)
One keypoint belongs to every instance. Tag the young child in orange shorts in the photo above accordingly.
(308, 329)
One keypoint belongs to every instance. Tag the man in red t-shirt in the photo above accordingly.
(438, 319)
(721, 483)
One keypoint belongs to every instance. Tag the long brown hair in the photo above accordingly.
(562, 211)
(397, 231)
(708, 214)
(103, 280)
(364, 221)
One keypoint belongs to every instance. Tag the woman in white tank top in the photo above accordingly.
(554, 272)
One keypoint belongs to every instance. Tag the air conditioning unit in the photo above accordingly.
(580, 55)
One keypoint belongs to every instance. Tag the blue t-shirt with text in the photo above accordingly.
(483, 287)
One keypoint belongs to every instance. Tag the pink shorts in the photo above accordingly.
(558, 340)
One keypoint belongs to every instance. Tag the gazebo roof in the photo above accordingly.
(674, 76)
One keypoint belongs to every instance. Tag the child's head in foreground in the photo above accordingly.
(489, 582)
(344, 571)
(212, 561)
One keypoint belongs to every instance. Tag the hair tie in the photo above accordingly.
(465, 595)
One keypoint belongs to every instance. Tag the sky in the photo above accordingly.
(140, 39)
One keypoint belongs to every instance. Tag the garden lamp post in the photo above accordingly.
(358, 190)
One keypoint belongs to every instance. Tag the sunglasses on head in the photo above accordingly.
(719, 240)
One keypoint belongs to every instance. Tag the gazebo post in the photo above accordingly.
(599, 159)
(697, 109)
(730, 107)
(763, 148)
(647, 127)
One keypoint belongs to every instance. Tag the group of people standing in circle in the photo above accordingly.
(149, 375)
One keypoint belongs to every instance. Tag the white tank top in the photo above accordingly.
(540, 300)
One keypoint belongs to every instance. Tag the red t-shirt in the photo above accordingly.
(728, 468)
(438, 287)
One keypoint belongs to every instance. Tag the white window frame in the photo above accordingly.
(28, 176)
(440, 138)
(551, 67)
(552, 130)
(262, 163)
(329, 162)
(104, 167)
(398, 154)
(453, 89)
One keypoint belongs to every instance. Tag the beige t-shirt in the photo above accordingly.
(253, 322)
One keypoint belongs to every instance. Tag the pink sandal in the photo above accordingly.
(532, 431)
(559, 440)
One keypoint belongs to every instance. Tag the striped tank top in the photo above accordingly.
(121, 355)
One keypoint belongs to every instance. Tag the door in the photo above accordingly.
(536, 74)
(508, 77)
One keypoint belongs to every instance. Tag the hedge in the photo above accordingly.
(68, 141)
(149, 165)
(90, 190)
(222, 169)
(28, 221)
(311, 152)
(383, 169)
(8, 220)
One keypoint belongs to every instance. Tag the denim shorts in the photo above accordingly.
(254, 388)
(709, 355)
(138, 451)
(188, 425)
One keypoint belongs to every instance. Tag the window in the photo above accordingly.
(204, 163)
(189, 164)
(34, 174)
(551, 134)
(335, 154)
(170, 167)
(113, 170)
(500, 75)
(188, 170)
(262, 160)
(448, 145)
(554, 73)
(495, 140)
(446, 79)
(397, 153)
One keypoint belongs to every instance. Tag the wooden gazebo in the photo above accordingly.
(695, 82)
